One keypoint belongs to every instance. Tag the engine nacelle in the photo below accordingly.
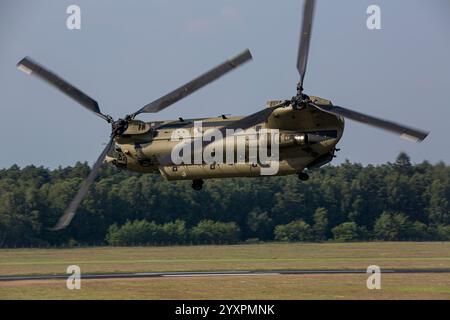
(303, 139)
(293, 139)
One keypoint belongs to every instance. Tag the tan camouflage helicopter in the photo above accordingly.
(309, 128)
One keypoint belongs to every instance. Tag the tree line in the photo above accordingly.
(348, 202)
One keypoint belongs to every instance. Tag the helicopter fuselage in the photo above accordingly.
(307, 138)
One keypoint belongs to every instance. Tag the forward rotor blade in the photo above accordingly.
(404, 131)
(243, 124)
(196, 84)
(305, 38)
(29, 66)
(68, 215)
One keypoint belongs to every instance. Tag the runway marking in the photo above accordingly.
(218, 273)
(221, 274)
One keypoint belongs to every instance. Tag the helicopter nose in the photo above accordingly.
(341, 124)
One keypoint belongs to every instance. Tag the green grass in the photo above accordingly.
(393, 286)
(237, 257)
(268, 256)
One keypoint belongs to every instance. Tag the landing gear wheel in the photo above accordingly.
(303, 176)
(197, 184)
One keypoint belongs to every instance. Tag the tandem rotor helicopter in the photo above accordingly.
(309, 128)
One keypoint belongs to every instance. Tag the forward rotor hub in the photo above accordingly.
(119, 127)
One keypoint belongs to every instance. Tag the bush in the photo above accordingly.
(112, 236)
(133, 233)
(419, 231)
(208, 231)
(261, 225)
(297, 230)
(392, 226)
(144, 232)
(72, 242)
(347, 231)
(442, 232)
(320, 223)
(174, 232)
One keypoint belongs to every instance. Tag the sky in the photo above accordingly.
(129, 53)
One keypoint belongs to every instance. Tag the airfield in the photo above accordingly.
(410, 270)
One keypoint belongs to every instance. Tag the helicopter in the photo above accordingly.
(308, 127)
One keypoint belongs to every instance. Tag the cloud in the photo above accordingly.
(231, 13)
(197, 26)
(226, 17)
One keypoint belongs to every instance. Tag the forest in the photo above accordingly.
(397, 201)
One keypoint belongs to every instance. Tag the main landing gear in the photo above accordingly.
(303, 176)
(197, 184)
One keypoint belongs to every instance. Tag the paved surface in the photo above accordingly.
(215, 274)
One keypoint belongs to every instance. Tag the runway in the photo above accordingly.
(218, 274)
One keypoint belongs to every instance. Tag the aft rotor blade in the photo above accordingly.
(29, 66)
(243, 124)
(196, 84)
(68, 215)
(404, 131)
(305, 38)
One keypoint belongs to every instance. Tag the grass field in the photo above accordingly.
(273, 256)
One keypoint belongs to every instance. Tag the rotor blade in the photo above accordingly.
(243, 124)
(29, 66)
(404, 131)
(68, 215)
(196, 84)
(305, 38)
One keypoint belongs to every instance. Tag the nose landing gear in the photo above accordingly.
(303, 176)
(197, 184)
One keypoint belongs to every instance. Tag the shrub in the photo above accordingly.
(320, 223)
(208, 231)
(392, 226)
(297, 230)
(174, 232)
(419, 231)
(133, 233)
(260, 224)
(347, 231)
(443, 232)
